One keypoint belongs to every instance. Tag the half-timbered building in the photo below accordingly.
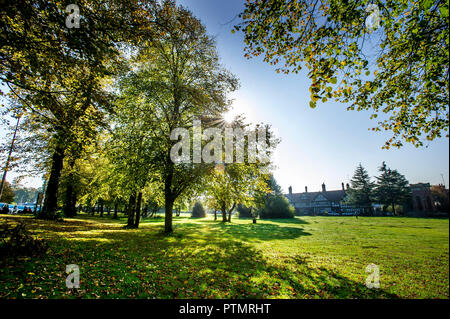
(315, 203)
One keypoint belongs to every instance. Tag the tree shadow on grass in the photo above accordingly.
(295, 220)
(229, 268)
(67, 225)
(145, 263)
(248, 232)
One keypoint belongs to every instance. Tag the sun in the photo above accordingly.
(229, 116)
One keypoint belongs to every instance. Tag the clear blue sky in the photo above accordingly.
(318, 145)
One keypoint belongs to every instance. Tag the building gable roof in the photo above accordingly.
(333, 196)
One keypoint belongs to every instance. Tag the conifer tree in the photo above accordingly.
(361, 192)
(391, 188)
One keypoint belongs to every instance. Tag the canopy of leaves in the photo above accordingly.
(277, 207)
(174, 77)
(361, 192)
(391, 187)
(399, 70)
(7, 194)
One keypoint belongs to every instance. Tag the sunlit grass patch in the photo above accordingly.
(308, 257)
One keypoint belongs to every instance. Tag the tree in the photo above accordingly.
(211, 203)
(175, 79)
(360, 193)
(440, 198)
(275, 189)
(222, 195)
(244, 211)
(153, 199)
(245, 181)
(198, 211)
(391, 188)
(277, 207)
(8, 194)
(25, 194)
(131, 148)
(262, 200)
(237, 183)
(387, 57)
(56, 74)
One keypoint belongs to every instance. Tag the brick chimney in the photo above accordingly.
(343, 188)
(324, 188)
(348, 186)
(290, 193)
(306, 189)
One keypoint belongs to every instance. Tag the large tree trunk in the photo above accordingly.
(131, 210)
(169, 199)
(101, 207)
(51, 194)
(168, 215)
(71, 199)
(138, 210)
(71, 196)
(145, 212)
(224, 213)
(230, 211)
(215, 214)
(116, 207)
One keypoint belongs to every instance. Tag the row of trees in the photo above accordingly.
(264, 200)
(100, 104)
(389, 189)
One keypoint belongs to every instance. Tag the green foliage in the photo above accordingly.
(277, 206)
(299, 258)
(7, 194)
(391, 188)
(242, 183)
(361, 192)
(198, 211)
(173, 78)
(273, 185)
(237, 183)
(57, 77)
(263, 200)
(244, 211)
(404, 83)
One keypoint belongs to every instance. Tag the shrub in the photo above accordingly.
(244, 211)
(277, 206)
(18, 241)
(198, 211)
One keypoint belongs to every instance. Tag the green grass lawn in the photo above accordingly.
(307, 257)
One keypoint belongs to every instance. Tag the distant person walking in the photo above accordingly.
(15, 210)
